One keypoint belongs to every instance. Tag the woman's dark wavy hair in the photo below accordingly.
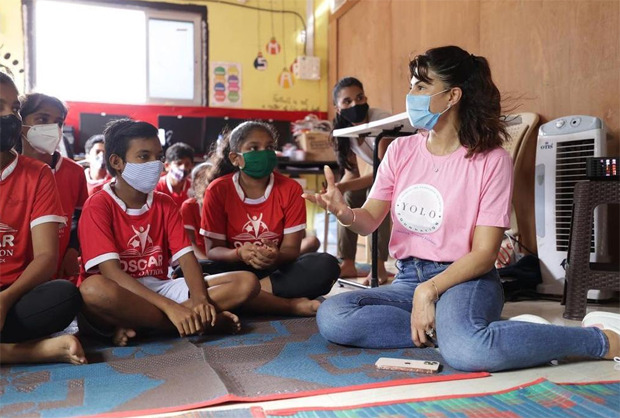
(482, 127)
(342, 146)
(232, 142)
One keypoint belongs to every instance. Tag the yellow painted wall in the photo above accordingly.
(11, 38)
(233, 38)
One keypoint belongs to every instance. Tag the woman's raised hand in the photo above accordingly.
(330, 198)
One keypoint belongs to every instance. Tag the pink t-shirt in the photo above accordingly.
(437, 201)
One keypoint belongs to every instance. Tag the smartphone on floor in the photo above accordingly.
(407, 365)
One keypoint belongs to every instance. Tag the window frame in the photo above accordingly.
(153, 10)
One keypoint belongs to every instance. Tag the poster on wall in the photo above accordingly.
(225, 84)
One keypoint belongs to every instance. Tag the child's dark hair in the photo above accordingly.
(32, 102)
(482, 127)
(95, 139)
(200, 175)
(179, 151)
(232, 142)
(342, 146)
(118, 133)
(7, 80)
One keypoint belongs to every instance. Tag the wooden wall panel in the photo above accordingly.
(364, 49)
(421, 25)
(556, 58)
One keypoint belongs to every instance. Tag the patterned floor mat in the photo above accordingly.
(270, 360)
(540, 398)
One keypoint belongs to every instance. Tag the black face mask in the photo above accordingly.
(355, 114)
(10, 131)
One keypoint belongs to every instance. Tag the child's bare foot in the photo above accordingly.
(65, 349)
(382, 279)
(62, 349)
(122, 335)
(226, 323)
(304, 306)
(347, 269)
(381, 272)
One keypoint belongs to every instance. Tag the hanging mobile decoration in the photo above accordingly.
(260, 62)
(295, 65)
(272, 47)
(285, 79)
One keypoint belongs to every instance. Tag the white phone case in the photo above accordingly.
(406, 365)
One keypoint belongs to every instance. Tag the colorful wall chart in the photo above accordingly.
(225, 81)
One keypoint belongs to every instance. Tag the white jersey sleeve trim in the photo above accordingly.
(180, 254)
(190, 227)
(94, 262)
(294, 229)
(209, 234)
(48, 218)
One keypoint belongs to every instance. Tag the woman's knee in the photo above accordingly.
(470, 353)
(332, 321)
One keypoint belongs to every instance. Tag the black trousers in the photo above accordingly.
(45, 310)
(311, 275)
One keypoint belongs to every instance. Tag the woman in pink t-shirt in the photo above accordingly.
(448, 189)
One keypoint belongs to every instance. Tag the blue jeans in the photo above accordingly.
(469, 332)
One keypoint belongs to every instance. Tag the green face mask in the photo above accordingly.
(259, 164)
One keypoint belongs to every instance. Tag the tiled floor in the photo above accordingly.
(579, 371)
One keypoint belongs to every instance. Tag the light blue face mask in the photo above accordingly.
(418, 110)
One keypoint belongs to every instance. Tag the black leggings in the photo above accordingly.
(311, 275)
(46, 309)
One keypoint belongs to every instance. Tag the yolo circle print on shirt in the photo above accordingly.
(419, 208)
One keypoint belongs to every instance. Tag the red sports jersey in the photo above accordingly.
(73, 193)
(28, 198)
(227, 215)
(164, 187)
(190, 212)
(141, 239)
(94, 186)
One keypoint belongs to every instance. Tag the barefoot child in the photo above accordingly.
(129, 234)
(31, 306)
(254, 220)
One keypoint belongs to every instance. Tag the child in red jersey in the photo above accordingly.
(31, 306)
(178, 165)
(96, 173)
(191, 208)
(255, 220)
(43, 118)
(130, 236)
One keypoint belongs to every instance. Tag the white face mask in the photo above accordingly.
(98, 163)
(143, 176)
(44, 138)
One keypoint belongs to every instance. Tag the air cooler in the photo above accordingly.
(562, 148)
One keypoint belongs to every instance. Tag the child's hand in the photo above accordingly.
(265, 255)
(330, 199)
(205, 311)
(246, 252)
(186, 321)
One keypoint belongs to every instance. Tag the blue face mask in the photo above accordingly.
(418, 110)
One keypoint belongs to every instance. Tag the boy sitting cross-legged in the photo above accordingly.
(129, 234)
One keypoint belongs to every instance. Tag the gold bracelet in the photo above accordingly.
(352, 222)
(436, 291)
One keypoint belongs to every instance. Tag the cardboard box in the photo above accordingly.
(317, 145)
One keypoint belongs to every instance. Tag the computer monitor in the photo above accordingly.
(93, 124)
(187, 129)
(218, 125)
